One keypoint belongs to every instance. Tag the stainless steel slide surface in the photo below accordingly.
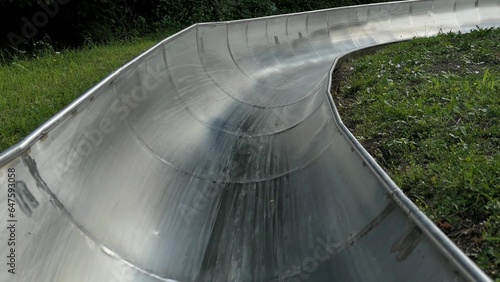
(218, 155)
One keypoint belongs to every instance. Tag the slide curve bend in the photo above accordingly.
(218, 155)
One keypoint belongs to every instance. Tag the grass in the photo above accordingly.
(34, 89)
(428, 110)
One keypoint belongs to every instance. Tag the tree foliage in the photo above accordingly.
(72, 22)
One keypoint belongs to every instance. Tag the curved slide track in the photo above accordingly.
(218, 155)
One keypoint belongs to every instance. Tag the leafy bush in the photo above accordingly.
(74, 22)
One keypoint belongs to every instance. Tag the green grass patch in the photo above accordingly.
(428, 110)
(34, 89)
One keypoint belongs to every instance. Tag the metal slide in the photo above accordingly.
(218, 155)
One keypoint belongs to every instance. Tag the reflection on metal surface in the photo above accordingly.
(218, 155)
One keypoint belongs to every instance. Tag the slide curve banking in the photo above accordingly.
(218, 155)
